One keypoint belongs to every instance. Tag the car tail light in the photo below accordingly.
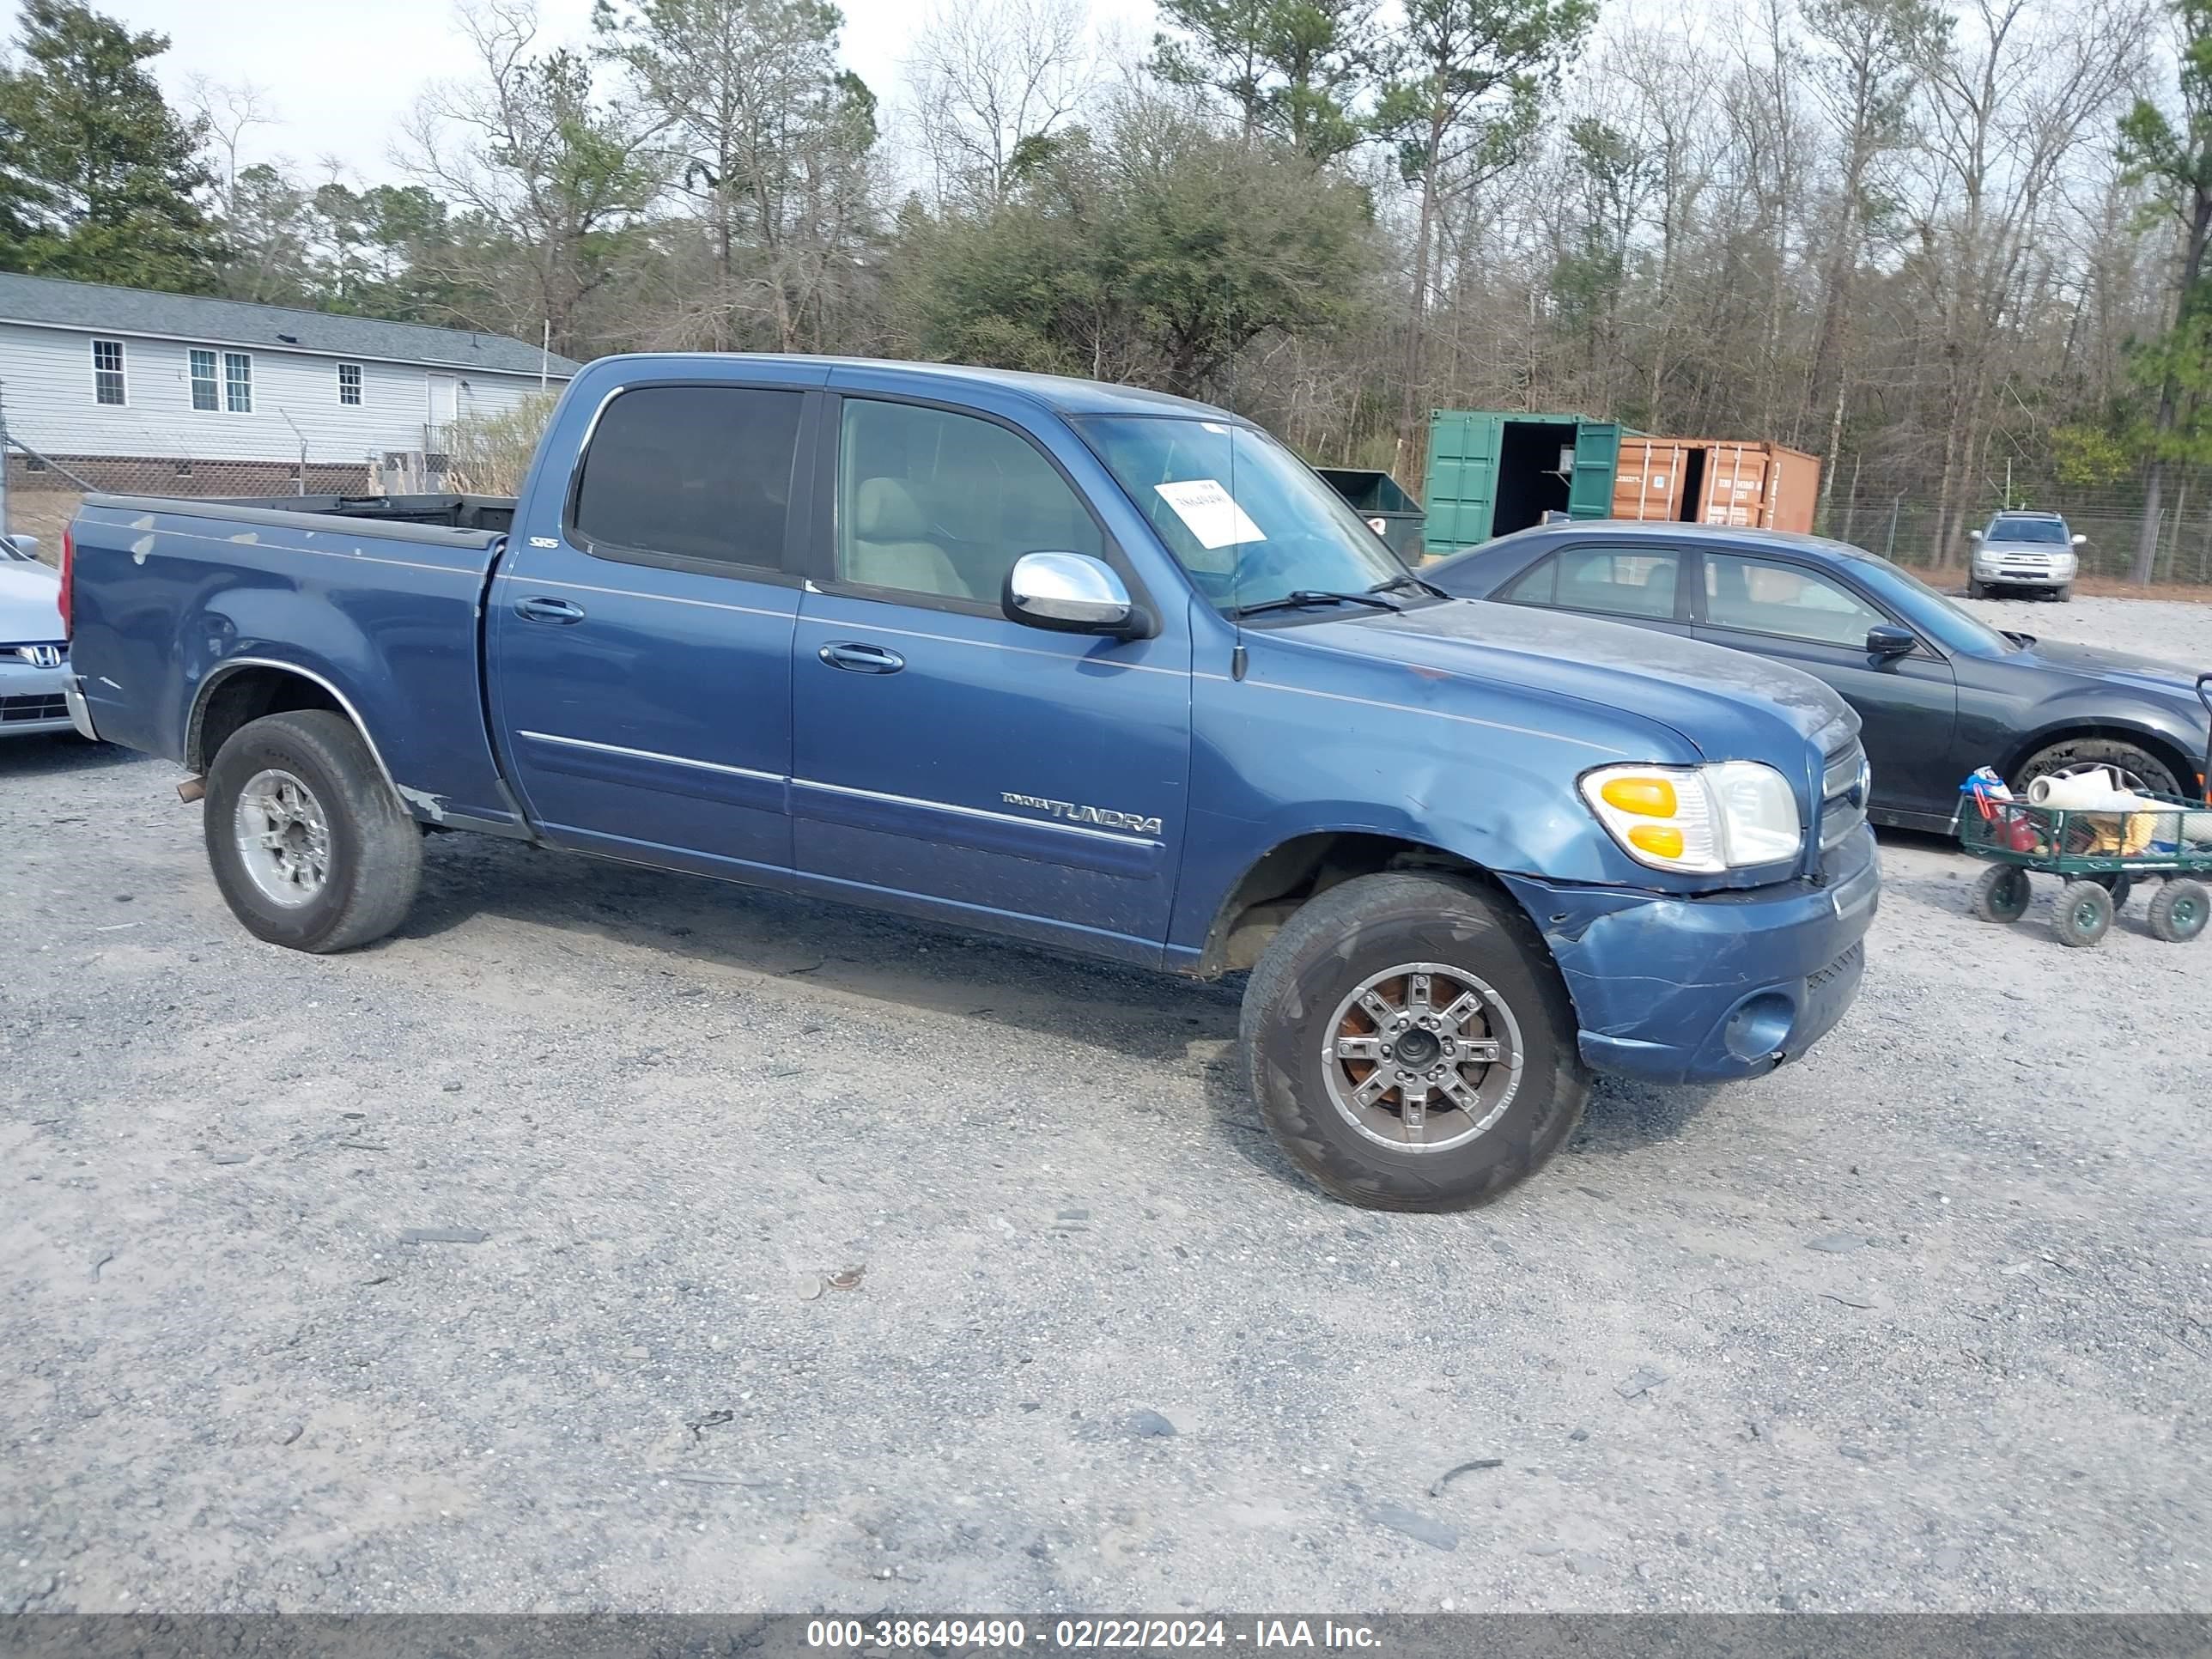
(69, 576)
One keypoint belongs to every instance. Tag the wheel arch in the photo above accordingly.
(2184, 765)
(241, 689)
(1300, 867)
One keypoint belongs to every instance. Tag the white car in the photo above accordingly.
(33, 657)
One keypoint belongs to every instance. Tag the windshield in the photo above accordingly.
(1930, 611)
(1246, 518)
(2049, 532)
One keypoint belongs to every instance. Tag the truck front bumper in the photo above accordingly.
(1998, 571)
(1726, 985)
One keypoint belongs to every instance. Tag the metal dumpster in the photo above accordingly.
(1382, 500)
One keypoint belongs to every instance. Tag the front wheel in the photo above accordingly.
(2063, 592)
(1976, 590)
(309, 845)
(2002, 893)
(2138, 768)
(2084, 913)
(1410, 1045)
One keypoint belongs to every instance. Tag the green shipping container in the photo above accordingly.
(1491, 473)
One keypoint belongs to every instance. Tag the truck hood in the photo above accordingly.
(1701, 691)
(27, 613)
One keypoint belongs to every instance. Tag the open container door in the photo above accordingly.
(1460, 489)
(1597, 457)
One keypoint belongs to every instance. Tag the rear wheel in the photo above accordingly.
(2002, 893)
(1410, 1044)
(2179, 911)
(2084, 913)
(309, 845)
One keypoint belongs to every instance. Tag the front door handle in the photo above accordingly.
(861, 658)
(549, 610)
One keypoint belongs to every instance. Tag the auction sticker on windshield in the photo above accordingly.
(1210, 513)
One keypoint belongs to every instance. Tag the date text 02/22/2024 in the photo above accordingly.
(988, 1635)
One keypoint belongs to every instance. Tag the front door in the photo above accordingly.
(443, 408)
(947, 760)
(641, 648)
(1907, 705)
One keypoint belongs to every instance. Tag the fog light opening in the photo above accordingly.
(1755, 1031)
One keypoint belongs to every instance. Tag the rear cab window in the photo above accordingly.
(696, 477)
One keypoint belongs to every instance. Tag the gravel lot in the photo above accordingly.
(1921, 1323)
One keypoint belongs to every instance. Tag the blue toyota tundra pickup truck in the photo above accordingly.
(1099, 669)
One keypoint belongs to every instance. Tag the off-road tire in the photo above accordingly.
(2083, 916)
(2001, 893)
(2179, 910)
(1360, 928)
(2156, 775)
(375, 855)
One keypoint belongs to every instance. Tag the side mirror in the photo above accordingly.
(1887, 642)
(2081, 541)
(1974, 535)
(1070, 594)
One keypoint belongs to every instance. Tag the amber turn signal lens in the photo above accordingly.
(1660, 840)
(1650, 798)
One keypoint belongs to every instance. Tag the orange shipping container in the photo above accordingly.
(1758, 484)
(1647, 482)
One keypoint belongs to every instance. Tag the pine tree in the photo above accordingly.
(99, 180)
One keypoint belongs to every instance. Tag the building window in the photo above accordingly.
(107, 371)
(238, 383)
(349, 383)
(204, 395)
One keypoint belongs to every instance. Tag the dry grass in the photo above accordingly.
(42, 512)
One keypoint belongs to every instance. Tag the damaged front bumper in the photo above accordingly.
(1705, 989)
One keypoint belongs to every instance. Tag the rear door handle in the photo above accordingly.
(549, 610)
(861, 658)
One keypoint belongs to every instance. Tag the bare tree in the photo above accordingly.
(990, 82)
(544, 171)
(226, 113)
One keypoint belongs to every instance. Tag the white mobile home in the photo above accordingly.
(131, 389)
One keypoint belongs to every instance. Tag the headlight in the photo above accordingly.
(1729, 815)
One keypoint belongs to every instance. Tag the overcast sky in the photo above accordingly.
(343, 74)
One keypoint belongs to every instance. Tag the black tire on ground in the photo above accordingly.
(1352, 932)
(2128, 757)
(1976, 590)
(2062, 592)
(2084, 915)
(2179, 910)
(2119, 884)
(374, 861)
(2001, 893)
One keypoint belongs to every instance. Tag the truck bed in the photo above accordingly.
(183, 603)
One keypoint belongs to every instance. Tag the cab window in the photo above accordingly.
(1618, 582)
(1786, 601)
(938, 506)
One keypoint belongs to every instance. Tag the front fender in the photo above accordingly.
(2167, 731)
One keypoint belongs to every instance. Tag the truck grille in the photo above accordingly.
(1840, 814)
(13, 709)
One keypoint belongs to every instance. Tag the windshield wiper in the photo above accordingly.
(1407, 579)
(1301, 599)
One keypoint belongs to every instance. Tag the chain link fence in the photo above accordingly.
(1896, 517)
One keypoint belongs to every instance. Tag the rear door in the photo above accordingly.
(1631, 581)
(641, 647)
(1812, 619)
